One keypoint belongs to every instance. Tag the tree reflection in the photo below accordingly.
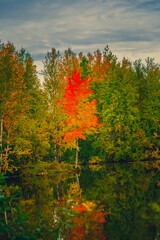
(77, 206)
(77, 218)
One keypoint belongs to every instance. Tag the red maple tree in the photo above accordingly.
(80, 113)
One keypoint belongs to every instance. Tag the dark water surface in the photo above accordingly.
(114, 201)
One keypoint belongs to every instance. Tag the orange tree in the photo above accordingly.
(79, 113)
(23, 128)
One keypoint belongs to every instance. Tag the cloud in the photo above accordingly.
(129, 27)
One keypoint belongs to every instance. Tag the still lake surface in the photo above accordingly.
(111, 201)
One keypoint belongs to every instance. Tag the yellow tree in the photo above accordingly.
(11, 85)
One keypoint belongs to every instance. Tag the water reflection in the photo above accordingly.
(76, 218)
(80, 220)
(78, 206)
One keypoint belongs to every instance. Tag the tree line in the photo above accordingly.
(89, 102)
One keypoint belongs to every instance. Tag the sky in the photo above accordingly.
(131, 28)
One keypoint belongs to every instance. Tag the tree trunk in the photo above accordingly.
(78, 185)
(76, 165)
(7, 146)
(59, 154)
(55, 151)
(5, 216)
(1, 138)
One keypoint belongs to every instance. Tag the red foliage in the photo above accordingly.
(80, 113)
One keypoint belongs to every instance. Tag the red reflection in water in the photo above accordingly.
(85, 219)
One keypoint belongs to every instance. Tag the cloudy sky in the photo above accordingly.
(131, 28)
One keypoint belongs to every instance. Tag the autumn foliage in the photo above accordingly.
(78, 88)
(80, 113)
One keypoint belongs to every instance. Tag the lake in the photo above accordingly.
(111, 201)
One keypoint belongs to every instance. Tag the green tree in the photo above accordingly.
(148, 86)
(32, 129)
(119, 112)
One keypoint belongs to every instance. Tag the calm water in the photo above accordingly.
(114, 201)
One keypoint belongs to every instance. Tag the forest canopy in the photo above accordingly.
(91, 104)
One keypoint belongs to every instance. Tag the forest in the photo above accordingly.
(79, 153)
(89, 108)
